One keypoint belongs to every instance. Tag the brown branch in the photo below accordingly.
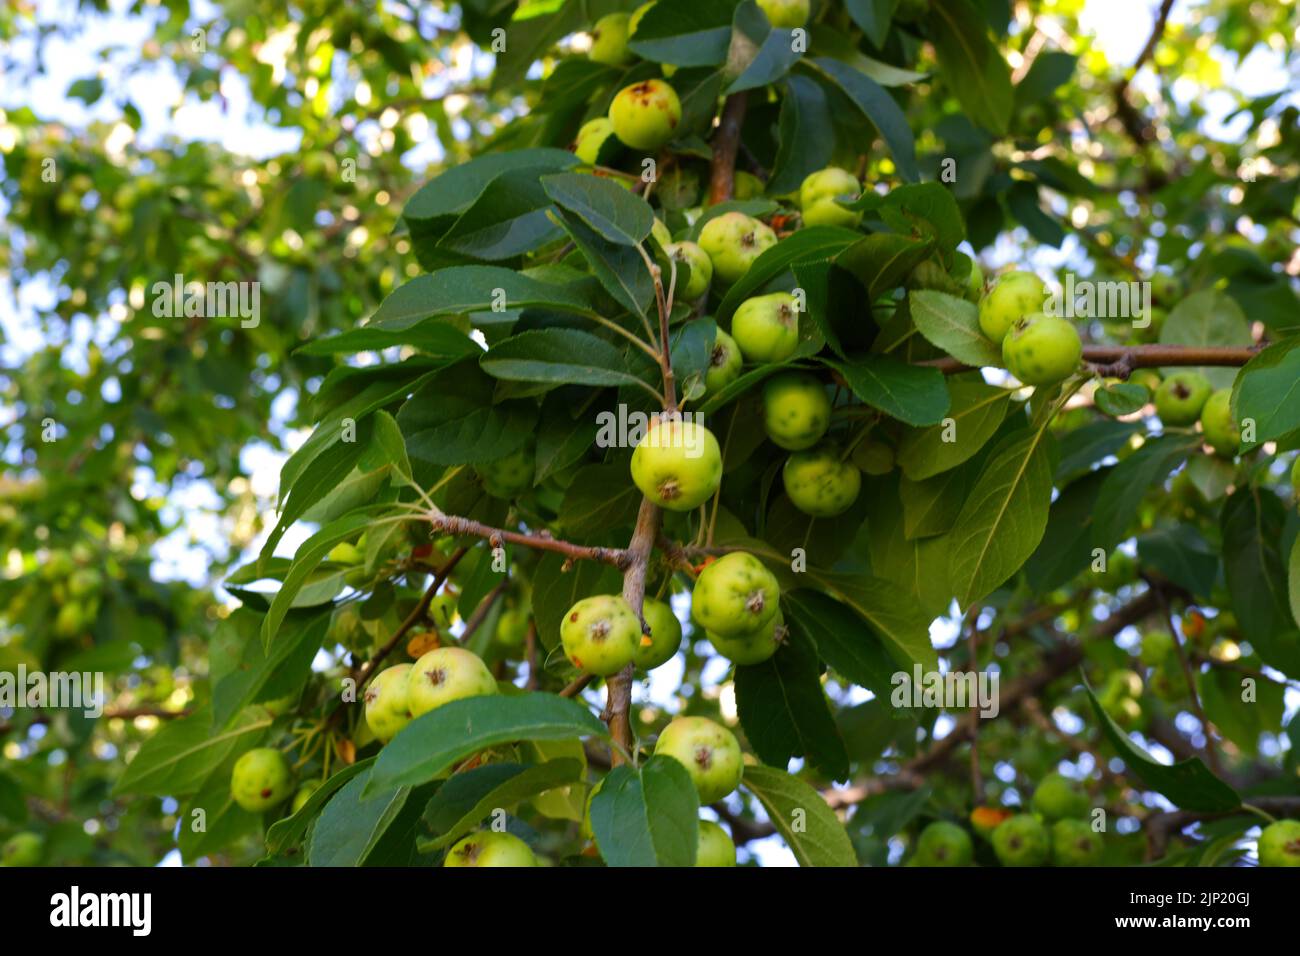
(618, 689)
(577, 685)
(481, 612)
(541, 541)
(726, 140)
(1115, 359)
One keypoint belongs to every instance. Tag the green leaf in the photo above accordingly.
(784, 711)
(354, 821)
(432, 743)
(1258, 580)
(1050, 69)
(241, 666)
(391, 444)
(952, 324)
(616, 214)
(647, 816)
(1066, 548)
(1181, 554)
(812, 244)
(179, 757)
(882, 261)
(685, 32)
(559, 357)
(454, 418)
(1086, 446)
(1122, 398)
(768, 53)
(509, 218)
(600, 498)
(843, 639)
(1129, 482)
(806, 139)
(976, 413)
(902, 627)
(1187, 784)
(1204, 318)
(974, 68)
(310, 554)
(465, 799)
(1268, 390)
(808, 826)
(1003, 519)
(873, 17)
(619, 269)
(287, 831)
(879, 108)
(451, 192)
(1240, 720)
(433, 338)
(910, 393)
(461, 289)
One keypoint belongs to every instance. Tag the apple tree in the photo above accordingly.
(866, 429)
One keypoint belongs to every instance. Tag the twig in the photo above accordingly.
(726, 139)
(1136, 356)
(1160, 827)
(541, 541)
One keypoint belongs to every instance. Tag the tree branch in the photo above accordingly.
(1119, 361)
(541, 541)
(618, 689)
(726, 140)
(1160, 827)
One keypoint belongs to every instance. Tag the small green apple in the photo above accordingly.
(1021, 841)
(303, 795)
(1156, 648)
(709, 752)
(796, 410)
(733, 241)
(595, 137)
(1042, 349)
(609, 40)
(785, 14)
(873, 457)
(724, 363)
(818, 195)
(751, 647)
(386, 705)
(490, 848)
(261, 779)
(1221, 431)
(512, 627)
(766, 327)
(24, 849)
(1181, 396)
(1075, 843)
(645, 115)
(444, 675)
(820, 483)
(1279, 844)
(678, 464)
(735, 595)
(747, 186)
(665, 636)
(1124, 683)
(944, 844)
(1012, 295)
(701, 269)
(1057, 797)
(346, 553)
(1165, 289)
(600, 634)
(509, 476)
(715, 847)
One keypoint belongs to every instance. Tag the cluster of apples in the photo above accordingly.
(1038, 349)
